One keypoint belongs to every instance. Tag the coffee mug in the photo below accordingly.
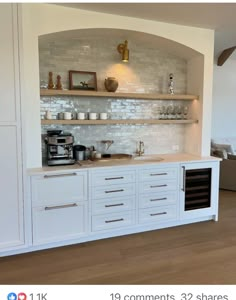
(93, 116)
(103, 116)
(67, 115)
(80, 116)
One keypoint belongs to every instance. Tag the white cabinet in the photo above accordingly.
(59, 207)
(11, 174)
(112, 199)
(158, 194)
(9, 63)
(11, 202)
(84, 205)
(59, 222)
(199, 186)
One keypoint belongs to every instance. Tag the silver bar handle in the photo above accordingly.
(160, 185)
(184, 178)
(60, 206)
(59, 175)
(159, 214)
(114, 178)
(158, 174)
(158, 199)
(116, 220)
(112, 205)
(114, 191)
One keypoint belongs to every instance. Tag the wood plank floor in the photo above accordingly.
(201, 253)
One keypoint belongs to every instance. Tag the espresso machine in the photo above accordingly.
(59, 147)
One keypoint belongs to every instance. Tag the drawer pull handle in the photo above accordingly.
(114, 191)
(59, 175)
(60, 206)
(116, 220)
(159, 214)
(113, 178)
(158, 174)
(158, 199)
(112, 205)
(160, 185)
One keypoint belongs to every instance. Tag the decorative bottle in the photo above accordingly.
(171, 83)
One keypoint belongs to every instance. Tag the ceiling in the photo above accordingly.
(217, 16)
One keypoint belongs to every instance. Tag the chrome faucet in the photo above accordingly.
(140, 148)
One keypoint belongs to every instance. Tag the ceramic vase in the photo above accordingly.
(111, 84)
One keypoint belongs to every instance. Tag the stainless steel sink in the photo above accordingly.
(148, 158)
(117, 156)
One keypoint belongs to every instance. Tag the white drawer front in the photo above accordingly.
(157, 214)
(157, 186)
(111, 205)
(114, 220)
(59, 188)
(157, 199)
(58, 223)
(111, 191)
(158, 173)
(112, 177)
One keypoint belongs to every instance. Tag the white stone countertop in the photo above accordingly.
(145, 160)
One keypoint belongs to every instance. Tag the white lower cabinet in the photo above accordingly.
(113, 220)
(158, 195)
(83, 205)
(58, 223)
(59, 207)
(158, 214)
(112, 199)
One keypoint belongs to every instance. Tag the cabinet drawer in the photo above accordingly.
(112, 177)
(58, 223)
(114, 220)
(157, 214)
(157, 173)
(111, 205)
(157, 199)
(111, 191)
(59, 188)
(157, 186)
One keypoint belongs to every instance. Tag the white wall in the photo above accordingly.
(224, 100)
(39, 19)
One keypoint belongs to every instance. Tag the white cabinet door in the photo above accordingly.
(9, 63)
(59, 223)
(199, 188)
(61, 188)
(11, 202)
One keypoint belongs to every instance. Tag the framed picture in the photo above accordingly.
(82, 80)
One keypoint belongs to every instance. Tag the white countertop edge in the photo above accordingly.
(167, 158)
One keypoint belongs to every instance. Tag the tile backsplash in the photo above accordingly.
(147, 72)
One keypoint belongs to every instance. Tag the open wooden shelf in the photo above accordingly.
(45, 92)
(110, 122)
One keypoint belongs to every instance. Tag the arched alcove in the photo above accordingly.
(152, 58)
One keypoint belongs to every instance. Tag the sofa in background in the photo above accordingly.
(225, 148)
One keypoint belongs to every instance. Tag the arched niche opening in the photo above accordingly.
(152, 58)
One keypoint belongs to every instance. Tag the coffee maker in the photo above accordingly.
(59, 147)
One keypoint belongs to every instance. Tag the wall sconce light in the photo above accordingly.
(123, 49)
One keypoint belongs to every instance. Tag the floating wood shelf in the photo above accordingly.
(110, 122)
(45, 92)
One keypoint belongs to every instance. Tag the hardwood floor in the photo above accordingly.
(201, 253)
